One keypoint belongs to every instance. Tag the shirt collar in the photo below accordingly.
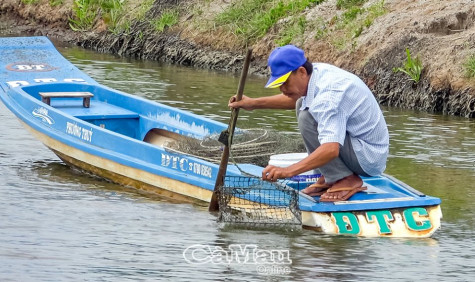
(308, 100)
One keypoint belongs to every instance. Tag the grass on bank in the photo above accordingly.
(116, 14)
(250, 20)
(469, 66)
(86, 12)
(54, 3)
(112, 13)
(345, 4)
(353, 21)
(340, 31)
(167, 19)
(29, 2)
(294, 29)
(412, 67)
(84, 15)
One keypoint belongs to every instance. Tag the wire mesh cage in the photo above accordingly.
(251, 202)
(253, 146)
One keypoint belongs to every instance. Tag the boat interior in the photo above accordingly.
(150, 122)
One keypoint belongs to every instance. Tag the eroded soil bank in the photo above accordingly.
(440, 33)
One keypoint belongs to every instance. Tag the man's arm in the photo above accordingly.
(279, 101)
(321, 156)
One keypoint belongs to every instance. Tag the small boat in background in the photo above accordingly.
(121, 137)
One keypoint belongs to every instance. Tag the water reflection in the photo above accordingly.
(447, 142)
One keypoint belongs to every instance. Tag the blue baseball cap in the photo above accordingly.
(282, 61)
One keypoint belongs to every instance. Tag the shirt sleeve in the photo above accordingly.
(331, 121)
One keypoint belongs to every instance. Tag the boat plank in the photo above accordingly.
(86, 96)
(100, 110)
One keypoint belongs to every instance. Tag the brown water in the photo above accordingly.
(57, 224)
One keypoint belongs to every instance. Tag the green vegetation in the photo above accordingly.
(112, 13)
(167, 19)
(29, 2)
(413, 68)
(54, 3)
(252, 19)
(84, 15)
(346, 4)
(248, 20)
(356, 18)
(295, 28)
(321, 28)
(115, 14)
(351, 14)
(470, 66)
(349, 25)
(374, 11)
(142, 9)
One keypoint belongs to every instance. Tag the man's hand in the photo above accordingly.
(272, 173)
(245, 103)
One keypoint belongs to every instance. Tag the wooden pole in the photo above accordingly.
(214, 203)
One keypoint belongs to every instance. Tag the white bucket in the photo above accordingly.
(285, 160)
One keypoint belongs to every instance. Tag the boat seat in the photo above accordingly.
(86, 101)
(97, 110)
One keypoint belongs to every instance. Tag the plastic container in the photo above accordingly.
(285, 160)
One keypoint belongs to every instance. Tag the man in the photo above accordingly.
(339, 119)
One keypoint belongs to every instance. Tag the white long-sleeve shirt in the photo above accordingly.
(340, 102)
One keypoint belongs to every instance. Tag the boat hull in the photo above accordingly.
(419, 222)
(121, 174)
(408, 222)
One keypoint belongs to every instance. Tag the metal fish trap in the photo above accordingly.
(251, 202)
(253, 146)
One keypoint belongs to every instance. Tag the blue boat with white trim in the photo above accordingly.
(120, 137)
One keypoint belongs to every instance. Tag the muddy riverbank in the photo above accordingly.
(440, 33)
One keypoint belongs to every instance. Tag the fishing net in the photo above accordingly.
(251, 202)
(254, 146)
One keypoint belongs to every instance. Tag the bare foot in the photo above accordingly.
(318, 188)
(320, 180)
(343, 189)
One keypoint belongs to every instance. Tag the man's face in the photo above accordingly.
(296, 85)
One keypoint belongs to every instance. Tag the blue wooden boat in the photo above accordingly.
(120, 137)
